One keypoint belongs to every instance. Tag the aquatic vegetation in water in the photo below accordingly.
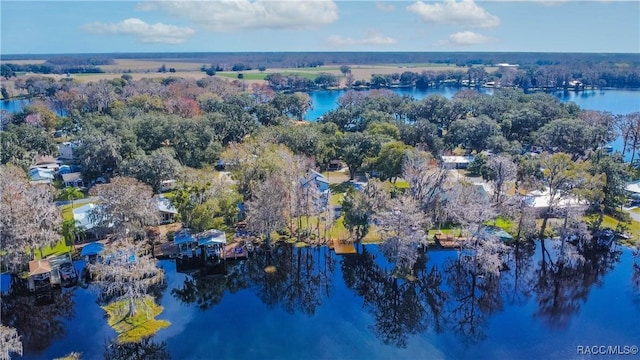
(133, 328)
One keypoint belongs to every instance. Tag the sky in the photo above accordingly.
(59, 27)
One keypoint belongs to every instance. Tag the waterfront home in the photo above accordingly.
(541, 199)
(193, 246)
(211, 242)
(186, 244)
(498, 232)
(321, 183)
(39, 279)
(64, 273)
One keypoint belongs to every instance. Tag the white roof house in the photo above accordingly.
(541, 199)
(633, 187)
(41, 175)
(82, 216)
(457, 162)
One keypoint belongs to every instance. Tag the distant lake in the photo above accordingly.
(319, 305)
(614, 101)
(13, 106)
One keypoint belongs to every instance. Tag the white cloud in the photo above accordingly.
(229, 15)
(384, 7)
(465, 38)
(147, 33)
(464, 12)
(371, 38)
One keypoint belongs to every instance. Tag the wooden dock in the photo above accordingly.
(448, 241)
(234, 251)
(342, 247)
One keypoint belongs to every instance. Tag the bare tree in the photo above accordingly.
(29, 220)
(469, 206)
(266, 211)
(503, 170)
(9, 342)
(482, 254)
(125, 206)
(127, 273)
(426, 183)
(402, 226)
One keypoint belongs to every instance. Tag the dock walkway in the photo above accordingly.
(448, 241)
(342, 247)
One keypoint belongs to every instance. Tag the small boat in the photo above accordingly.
(623, 235)
(605, 237)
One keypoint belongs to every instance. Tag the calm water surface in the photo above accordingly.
(614, 101)
(319, 305)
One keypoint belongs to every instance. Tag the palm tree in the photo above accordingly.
(70, 231)
(71, 193)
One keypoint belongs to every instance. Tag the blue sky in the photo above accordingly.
(267, 25)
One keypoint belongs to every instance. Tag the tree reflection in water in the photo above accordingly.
(562, 285)
(451, 296)
(400, 307)
(473, 297)
(518, 280)
(146, 349)
(301, 279)
(39, 321)
(635, 277)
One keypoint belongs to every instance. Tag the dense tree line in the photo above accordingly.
(154, 129)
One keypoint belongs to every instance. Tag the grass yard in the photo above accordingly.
(633, 228)
(335, 199)
(67, 210)
(60, 248)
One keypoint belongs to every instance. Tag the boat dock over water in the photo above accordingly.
(342, 247)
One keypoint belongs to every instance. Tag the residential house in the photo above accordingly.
(72, 179)
(39, 276)
(66, 150)
(167, 185)
(321, 183)
(633, 190)
(193, 246)
(456, 162)
(46, 162)
(541, 199)
(82, 216)
(167, 210)
(40, 176)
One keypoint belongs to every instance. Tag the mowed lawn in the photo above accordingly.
(61, 247)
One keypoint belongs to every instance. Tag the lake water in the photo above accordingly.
(319, 305)
(614, 101)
